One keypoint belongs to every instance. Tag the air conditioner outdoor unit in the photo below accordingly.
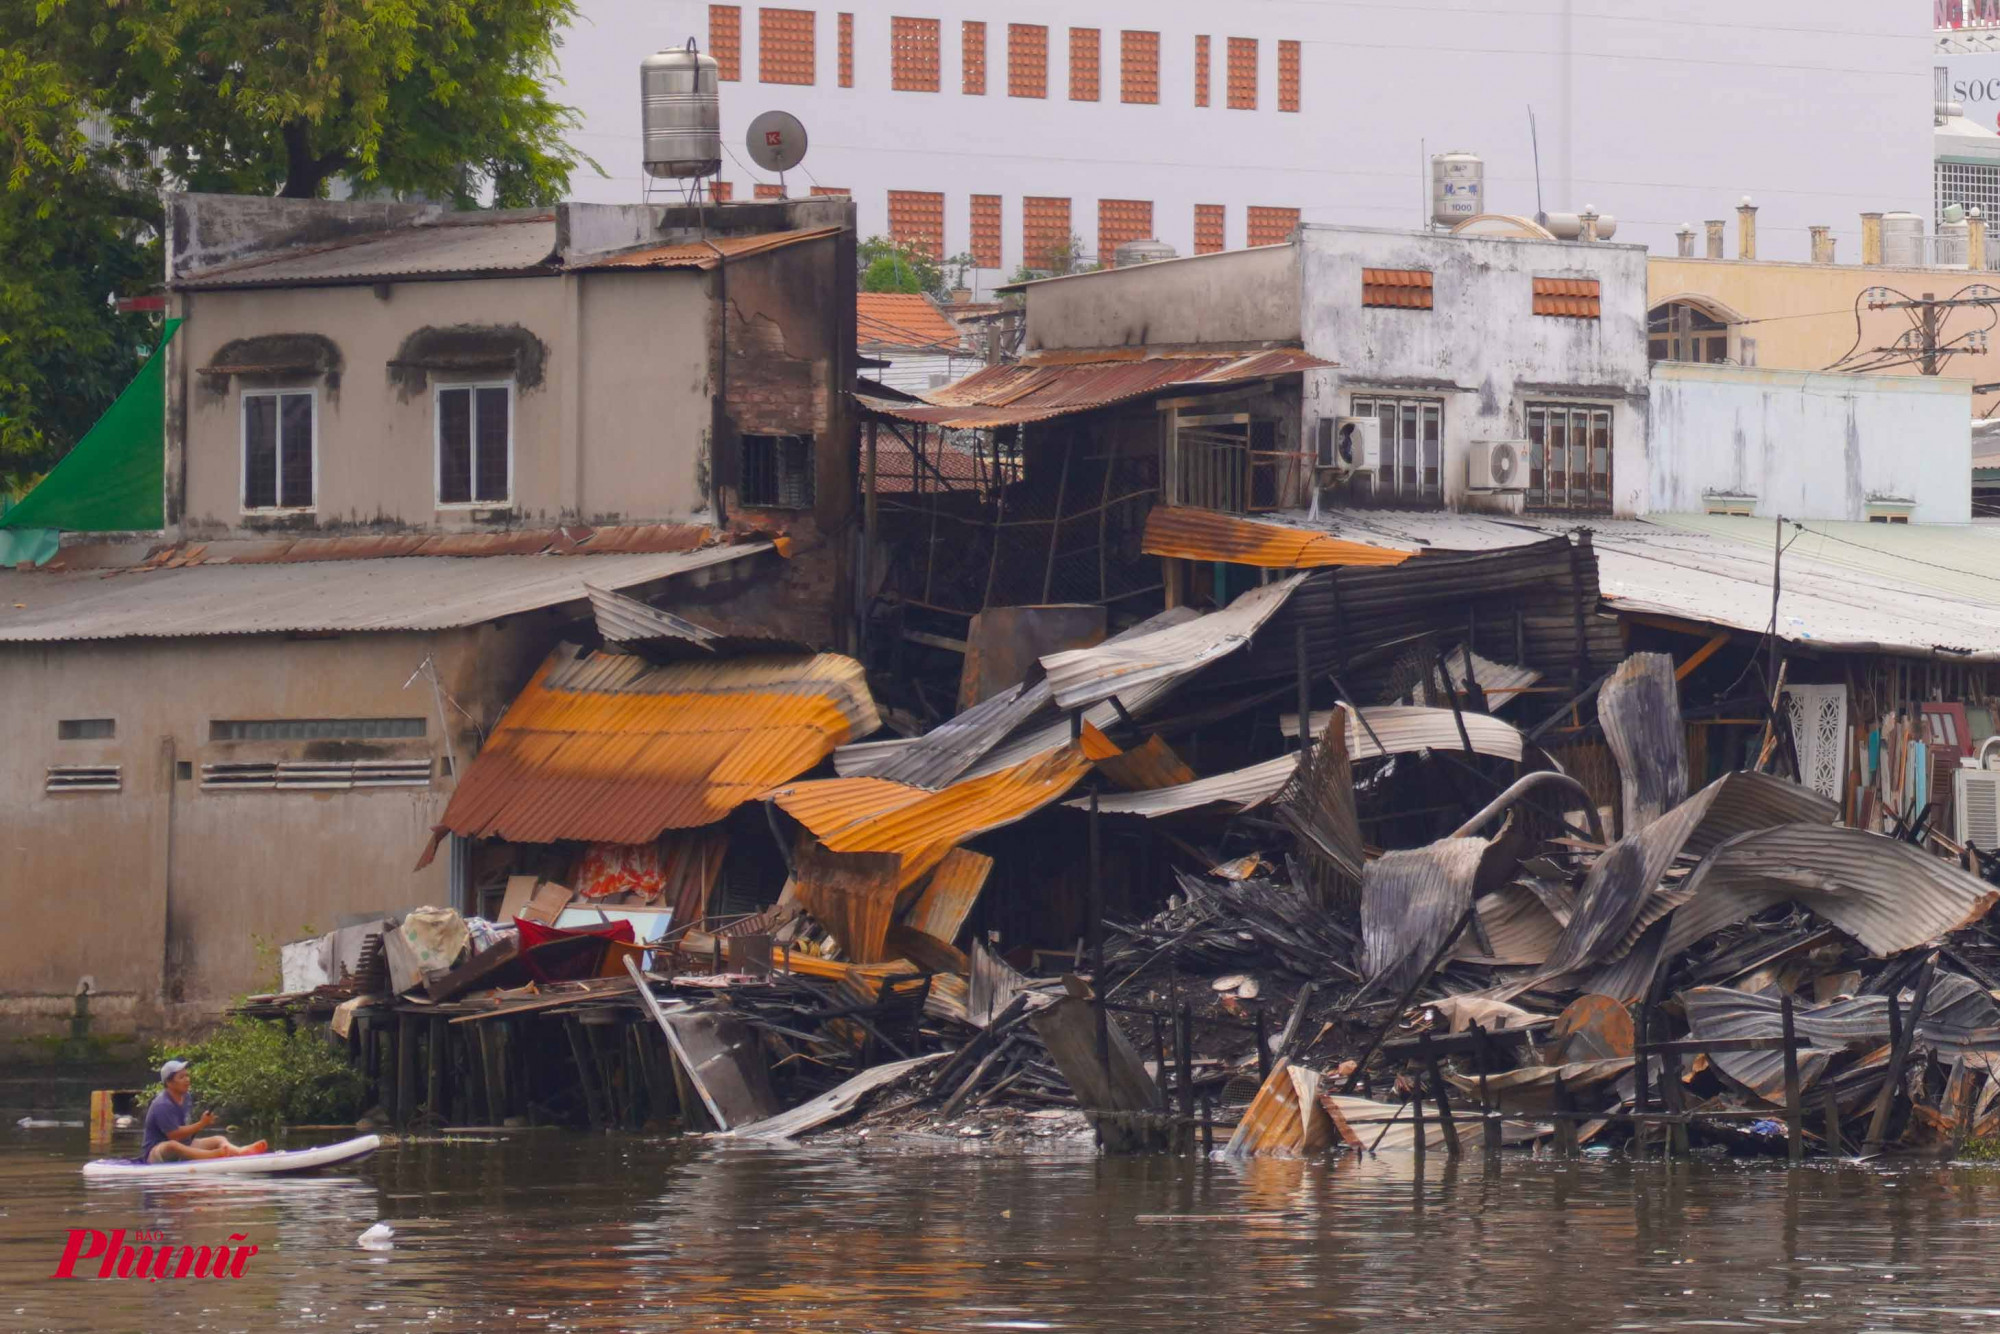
(1976, 807)
(1497, 465)
(1348, 444)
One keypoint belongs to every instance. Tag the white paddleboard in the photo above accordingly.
(255, 1164)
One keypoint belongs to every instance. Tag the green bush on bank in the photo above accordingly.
(252, 1072)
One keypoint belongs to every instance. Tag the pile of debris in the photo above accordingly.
(1326, 969)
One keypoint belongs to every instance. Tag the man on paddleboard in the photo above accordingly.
(171, 1137)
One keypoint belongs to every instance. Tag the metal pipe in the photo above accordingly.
(1519, 788)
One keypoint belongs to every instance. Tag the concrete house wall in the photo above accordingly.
(1810, 446)
(1480, 348)
(161, 891)
(1240, 296)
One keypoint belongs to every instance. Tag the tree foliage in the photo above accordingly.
(252, 1071)
(888, 266)
(103, 105)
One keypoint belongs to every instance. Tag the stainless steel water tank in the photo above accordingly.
(1902, 240)
(1148, 251)
(680, 108)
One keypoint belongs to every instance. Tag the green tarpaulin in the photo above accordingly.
(114, 481)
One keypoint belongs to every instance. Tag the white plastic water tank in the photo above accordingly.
(1902, 240)
(1458, 187)
(680, 111)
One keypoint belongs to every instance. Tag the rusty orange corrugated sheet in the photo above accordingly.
(698, 255)
(1198, 534)
(612, 749)
(1143, 768)
(1285, 1119)
(947, 900)
(1030, 392)
(875, 815)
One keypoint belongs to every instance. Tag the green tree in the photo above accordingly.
(103, 105)
(889, 267)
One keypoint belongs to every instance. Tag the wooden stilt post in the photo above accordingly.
(435, 1048)
(1795, 1125)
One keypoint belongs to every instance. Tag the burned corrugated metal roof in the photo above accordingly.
(609, 748)
(1500, 682)
(1889, 895)
(568, 540)
(945, 903)
(505, 243)
(1031, 391)
(1199, 534)
(702, 254)
(1087, 675)
(998, 733)
(1621, 895)
(1400, 728)
(634, 624)
(1848, 586)
(406, 593)
(1411, 898)
(1639, 708)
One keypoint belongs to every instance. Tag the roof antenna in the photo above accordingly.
(1541, 218)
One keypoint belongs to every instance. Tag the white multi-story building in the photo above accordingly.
(1001, 131)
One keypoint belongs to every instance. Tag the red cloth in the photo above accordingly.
(563, 954)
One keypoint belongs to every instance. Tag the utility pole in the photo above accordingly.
(1928, 323)
(1924, 344)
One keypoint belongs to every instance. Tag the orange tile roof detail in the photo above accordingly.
(1209, 220)
(914, 55)
(916, 220)
(972, 58)
(1045, 230)
(902, 319)
(986, 231)
(1406, 289)
(1084, 75)
(844, 49)
(1288, 76)
(725, 40)
(1271, 226)
(831, 190)
(699, 255)
(1201, 71)
(1243, 73)
(768, 190)
(1139, 67)
(1027, 60)
(721, 192)
(1119, 221)
(785, 46)
(1572, 298)
(1198, 534)
(609, 748)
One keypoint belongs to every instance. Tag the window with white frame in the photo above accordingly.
(1569, 456)
(279, 460)
(475, 443)
(1412, 446)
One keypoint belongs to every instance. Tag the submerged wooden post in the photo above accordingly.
(1452, 1147)
(1899, 1056)
(435, 1047)
(1184, 1058)
(1096, 925)
(1795, 1126)
(1419, 1146)
(1830, 1113)
(1643, 1102)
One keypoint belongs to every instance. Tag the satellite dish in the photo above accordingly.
(777, 141)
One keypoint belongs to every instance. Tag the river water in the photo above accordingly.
(552, 1230)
